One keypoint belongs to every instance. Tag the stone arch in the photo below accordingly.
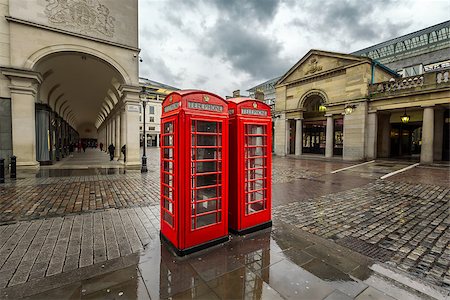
(46, 51)
(310, 93)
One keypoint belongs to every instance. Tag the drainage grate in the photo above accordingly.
(367, 249)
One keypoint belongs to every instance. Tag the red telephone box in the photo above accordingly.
(250, 202)
(194, 170)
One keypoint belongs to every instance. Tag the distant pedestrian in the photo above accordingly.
(101, 146)
(80, 145)
(84, 146)
(124, 152)
(111, 149)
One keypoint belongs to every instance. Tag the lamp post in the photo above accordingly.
(144, 157)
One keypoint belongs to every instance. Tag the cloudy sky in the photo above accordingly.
(224, 45)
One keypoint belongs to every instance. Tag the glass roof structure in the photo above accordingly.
(429, 39)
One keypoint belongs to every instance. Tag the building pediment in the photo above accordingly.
(316, 62)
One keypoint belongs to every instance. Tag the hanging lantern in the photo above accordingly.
(349, 109)
(405, 118)
(322, 108)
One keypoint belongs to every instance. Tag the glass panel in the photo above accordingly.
(255, 196)
(168, 179)
(168, 127)
(168, 166)
(168, 218)
(206, 166)
(168, 153)
(168, 205)
(253, 174)
(208, 193)
(255, 129)
(207, 206)
(254, 207)
(255, 185)
(255, 162)
(259, 151)
(205, 126)
(206, 180)
(210, 153)
(255, 141)
(168, 192)
(206, 220)
(168, 140)
(206, 140)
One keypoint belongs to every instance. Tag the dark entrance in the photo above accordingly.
(446, 139)
(406, 139)
(314, 137)
(338, 136)
(292, 136)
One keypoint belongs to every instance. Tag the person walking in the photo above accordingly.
(111, 149)
(101, 146)
(124, 152)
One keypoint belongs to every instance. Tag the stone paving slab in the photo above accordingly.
(408, 223)
(46, 247)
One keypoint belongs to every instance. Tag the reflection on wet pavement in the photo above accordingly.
(278, 263)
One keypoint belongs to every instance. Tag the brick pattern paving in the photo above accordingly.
(35, 249)
(61, 196)
(410, 220)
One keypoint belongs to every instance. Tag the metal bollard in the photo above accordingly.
(13, 173)
(2, 170)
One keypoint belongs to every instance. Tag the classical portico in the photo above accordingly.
(76, 82)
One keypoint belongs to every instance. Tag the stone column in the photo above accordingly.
(384, 132)
(371, 136)
(426, 153)
(131, 101)
(287, 145)
(298, 136)
(438, 133)
(123, 129)
(23, 88)
(329, 142)
(117, 135)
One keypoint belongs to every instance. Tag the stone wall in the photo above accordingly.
(5, 129)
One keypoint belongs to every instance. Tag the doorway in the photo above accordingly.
(314, 137)
(406, 140)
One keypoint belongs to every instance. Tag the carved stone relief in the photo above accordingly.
(313, 66)
(85, 16)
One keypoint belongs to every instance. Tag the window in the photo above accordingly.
(151, 119)
(413, 71)
(151, 128)
(140, 127)
(151, 110)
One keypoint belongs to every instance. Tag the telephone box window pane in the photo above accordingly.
(205, 126)
(206, 166)
(168, 153)
(209, 153)
(255, 196)
(206, 206)
(168, 127)
(168, 192)
(206, 220)
(255, 185)
(206, 180)
(255, 129)
(168, 218)
(207, 193)
(254, 207)
(168, 166)
(255, 163)
(168, 179)
(258, 151)
(255, 141)
(206, 140)
(254, 174)
(168, 205)
(168, 140)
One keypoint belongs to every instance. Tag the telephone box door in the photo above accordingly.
(207, 184)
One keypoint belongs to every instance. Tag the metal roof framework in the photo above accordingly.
(435, 37)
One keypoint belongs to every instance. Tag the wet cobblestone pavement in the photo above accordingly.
(93, 233)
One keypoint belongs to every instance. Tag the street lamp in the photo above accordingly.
(405, 118)
(144, 157)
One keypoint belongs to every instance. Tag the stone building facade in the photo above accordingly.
(390, 100)
(68, 70)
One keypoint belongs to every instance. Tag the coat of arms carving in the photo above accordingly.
(313, 67)
(85, 16)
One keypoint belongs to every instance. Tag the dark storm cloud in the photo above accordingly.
(350, 20)
(259, 10)
(246, 49)
(155, 68)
